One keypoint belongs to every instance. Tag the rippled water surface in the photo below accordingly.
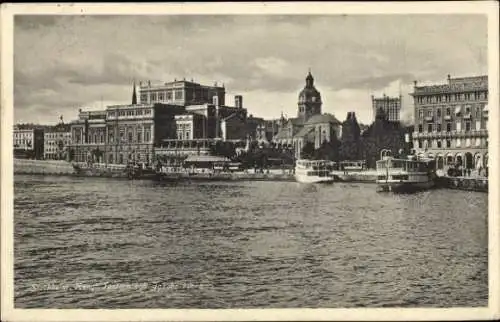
(103, 243)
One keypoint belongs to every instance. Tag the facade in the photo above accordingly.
(160, 123)
(451, 122)
(390, 105)
(310, 125)
(28, 142)
(88, 137)
(57, 139)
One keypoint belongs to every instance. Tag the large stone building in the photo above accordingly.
(28, 141)
(57, 139)
(88, 136)
(310, 125)
(451, 122)
(390, 105)
(163, 122)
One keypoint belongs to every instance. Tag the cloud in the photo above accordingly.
(65, 61)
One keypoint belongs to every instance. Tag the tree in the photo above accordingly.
(308, 150)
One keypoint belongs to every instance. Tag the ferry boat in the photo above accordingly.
(405, 175)
(313, 171)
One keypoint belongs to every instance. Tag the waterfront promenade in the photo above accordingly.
(53, 167)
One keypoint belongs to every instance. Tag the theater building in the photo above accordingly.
(88, 136)
(451, 122)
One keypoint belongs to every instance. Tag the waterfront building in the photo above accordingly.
(88, 136)
(310, 125)
(57, 139)
(28, 141)
(451, 122)
(390, 105)
(142, 130)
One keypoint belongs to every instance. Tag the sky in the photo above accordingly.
(64, 63)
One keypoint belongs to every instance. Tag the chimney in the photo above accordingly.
(238, 101)
(348, 115)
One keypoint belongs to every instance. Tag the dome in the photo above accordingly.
(322, 118)
(309, 93)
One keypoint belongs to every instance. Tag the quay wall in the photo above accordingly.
(43, 167)
(463, 183)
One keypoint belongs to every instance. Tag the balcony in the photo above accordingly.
(447, 117)
(467, 116)
(429, 118)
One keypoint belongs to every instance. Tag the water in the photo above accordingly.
(103, 243)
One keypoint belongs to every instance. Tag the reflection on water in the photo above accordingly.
(101, 243)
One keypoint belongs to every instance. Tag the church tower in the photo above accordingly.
(309, 100)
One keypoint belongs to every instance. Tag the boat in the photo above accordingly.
(313, 171)
(349, 171)
(405, 175)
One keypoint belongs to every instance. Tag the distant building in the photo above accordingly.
(28, 142)
(451, 121)
(57, 139)
(390, 105)
(310, 125)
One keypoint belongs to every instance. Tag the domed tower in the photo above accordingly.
(309, 100)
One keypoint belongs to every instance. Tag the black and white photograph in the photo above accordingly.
(241, 156)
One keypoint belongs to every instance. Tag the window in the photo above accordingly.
(439, 127)
(467, 126)
(467, 109)
(459, 126)
(147, 136)
(139, 112)
(188, 135)
(139, 136)
(448, 143)
(429, 113)
(153, 97)
(467, 142)
(438, 112)
(419, 144)
(439, 144)
(160, 96)
(429, 127)
(478, 142)
(130, 136)
(169, 96)
(144, 97)
(458, 143)
(448, 127)
(478, 125)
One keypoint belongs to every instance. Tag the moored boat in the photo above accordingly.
(405, 175)
(313, 171)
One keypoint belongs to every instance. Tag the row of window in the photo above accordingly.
(458, 127)
(448, 111)
(163, 96)
(137, 112)
(183, 135)
(452, 97)
(130, 138)
(56, 135)
(56, 143)
(424, 144)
